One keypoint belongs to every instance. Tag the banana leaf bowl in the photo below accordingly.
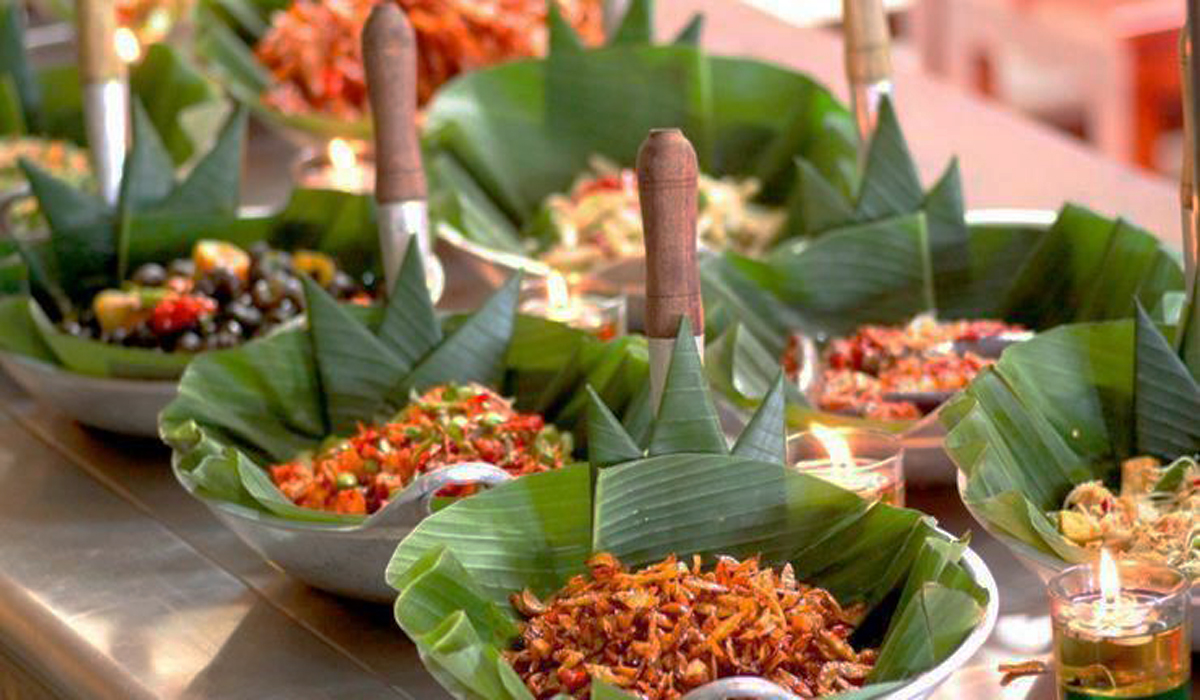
(681, 489)
(272, 399)
(1067, 407)
(91, 246)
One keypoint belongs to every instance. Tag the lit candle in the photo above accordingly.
(1121, 631)
(867, 462)
(129, 49)
(342, 167)
(603, 317)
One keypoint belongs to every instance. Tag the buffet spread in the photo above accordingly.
(659, 451)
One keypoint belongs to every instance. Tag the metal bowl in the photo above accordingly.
(918, 688)
(1045, 566)
(126, 406)
(347, 560)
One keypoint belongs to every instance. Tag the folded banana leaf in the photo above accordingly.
(271, 399)
(895, 252)
(93, 246)
(644, 499)
(1069, 406)
(499, 141)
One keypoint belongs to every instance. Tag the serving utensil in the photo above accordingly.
(105, 93)
(390, 60)
(668, 178)
(1188, 173)
(867, 46)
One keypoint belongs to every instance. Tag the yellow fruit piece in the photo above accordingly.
(1077, 527)
(210, 256)
(115, 308)
(318, 266)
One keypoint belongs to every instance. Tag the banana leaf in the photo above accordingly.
(455, 572)
(1066, 407)
(894, 252)
(271, 399)
(227, 32)
(499, 141)
(158, 218)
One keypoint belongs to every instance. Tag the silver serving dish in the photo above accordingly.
(348, 560)
(1045, 566)
(918, 688)
(126, 406)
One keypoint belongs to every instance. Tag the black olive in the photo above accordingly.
(294, 289)
(245, 314)
(225, 339)
(150, 275)
(226, 285)
(208, 326)
(207, 286)
(182, 267)
(259, 250)
(245, 299)
(144, 337)
(73, 328)
(264, 297)
(116, 336)
(189, 342)
(284, 311)
(232, 327)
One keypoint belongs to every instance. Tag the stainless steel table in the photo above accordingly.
(114, 583)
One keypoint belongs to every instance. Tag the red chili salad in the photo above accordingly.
(449, 424)
(860, 372)
(669, 628)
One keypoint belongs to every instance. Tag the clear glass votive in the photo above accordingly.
(875, 469)
(1136, 645)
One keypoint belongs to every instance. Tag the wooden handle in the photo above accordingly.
(1186, 174)
(97, 28)
(667, 182)
(390, 56)
(867, 42)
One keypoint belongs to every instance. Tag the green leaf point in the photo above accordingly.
(608, 442)
(765, 436)
(687, 420)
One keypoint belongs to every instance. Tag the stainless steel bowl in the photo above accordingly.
(348, 560)
(126, 406)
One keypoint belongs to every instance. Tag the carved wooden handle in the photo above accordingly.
(667, 181)
(867, 40)
(390, 56)
(97, 28)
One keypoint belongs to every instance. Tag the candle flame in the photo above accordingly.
(128, 48)
(835, 446)
(1110, 579)
(341, 155)
(558, 293)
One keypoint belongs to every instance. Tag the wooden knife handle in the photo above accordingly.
(867, 42)
(97, 27)
(390, 56)
(667, 183)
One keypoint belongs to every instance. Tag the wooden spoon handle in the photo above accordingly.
(867, 42)
(667, 183)
(97, 28)
(390, 57)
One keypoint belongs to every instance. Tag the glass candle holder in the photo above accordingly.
(867, 462)
(344, 166)
(1136, 645)
(604, 316)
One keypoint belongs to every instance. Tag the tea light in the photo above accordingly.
(867, 462)
(552, 299)
(344, 167)
(1121, 631)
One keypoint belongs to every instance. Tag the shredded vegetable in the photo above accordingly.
(599, 221)
(1155, 517)
(449, 424)
(314, 47)
(669, 628)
